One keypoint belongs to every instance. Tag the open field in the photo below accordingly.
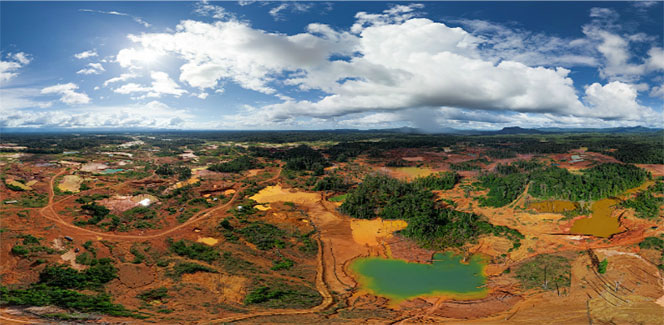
(257, 234)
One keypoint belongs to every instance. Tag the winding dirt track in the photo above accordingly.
(320, 286)
(48, 212)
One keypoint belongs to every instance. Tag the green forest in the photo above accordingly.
(601, 181)
(430, 223)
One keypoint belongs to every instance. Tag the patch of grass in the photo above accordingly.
(36, 200)
(85, 258)
(282, 264)
(186, 267)
(196, 251)
(30, 245)
(545, 271)
(185, 215)
(160, 294)
(236, 265)
(656, 244)
(264, 235)
(139, 257)
(309, 246)
(282, 295)
(339, 198)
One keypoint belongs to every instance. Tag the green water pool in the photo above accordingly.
(111, 171)
(399, 280)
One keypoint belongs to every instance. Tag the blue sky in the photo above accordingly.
(321, 65)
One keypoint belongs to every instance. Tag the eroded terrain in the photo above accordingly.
(152, 229)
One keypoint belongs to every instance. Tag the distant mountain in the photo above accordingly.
(516, 130)
(402, 130)
(633, 129)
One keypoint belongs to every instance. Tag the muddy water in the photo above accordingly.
(399, 280)
(553, 206)
(602, 223)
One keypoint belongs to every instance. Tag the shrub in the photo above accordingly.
(193, 250)
(187, 267)
(283, 264)
(154, 294)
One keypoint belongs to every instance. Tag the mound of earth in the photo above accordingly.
(135, 275)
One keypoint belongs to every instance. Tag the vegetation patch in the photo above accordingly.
(264, 235)
(547, 272)
(283, 295)
(431, 224)
(187, 267)
(656, 244)
(159, 294)
(331, 183)
(598, 182)
(57, 285)
(30, 246)
(16, 185)
(236, 165)
(646, 205)
(282, 264)
(193, 250)
(167, 170)
(34, 200)
(339, 198)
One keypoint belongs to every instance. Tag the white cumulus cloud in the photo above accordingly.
(153, 114)
(394, 61)
(92, 68)
(161, 84)
(68, 94)
(86, 54)
(122, 77)
(11, 64)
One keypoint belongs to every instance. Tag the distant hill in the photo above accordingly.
(402, 130)
(633, 129)
(516, 130)
(520, 130)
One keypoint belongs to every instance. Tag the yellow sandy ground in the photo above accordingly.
(276, 193)
(262, 207)
(368, 232)
(208, 241)
(12, 182)
(71, 183)
(30, 183)
(413, 172)
(192, 180)
(229, 192)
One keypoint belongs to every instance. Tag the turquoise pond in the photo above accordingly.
(446, 276)
(111, 171)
